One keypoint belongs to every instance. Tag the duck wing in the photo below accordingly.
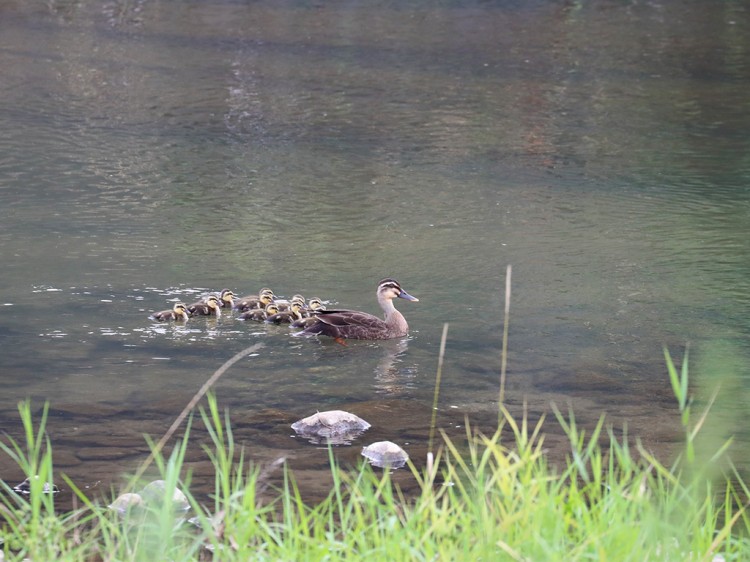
(348, 318)
(351, 324)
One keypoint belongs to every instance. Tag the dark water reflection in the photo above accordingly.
(151, 151)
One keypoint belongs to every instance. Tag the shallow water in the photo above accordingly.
(152, 151)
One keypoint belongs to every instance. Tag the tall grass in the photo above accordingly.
(29, 520)
(485, 497)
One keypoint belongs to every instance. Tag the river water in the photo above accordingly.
(151, 151)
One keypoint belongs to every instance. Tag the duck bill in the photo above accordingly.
(407, 296)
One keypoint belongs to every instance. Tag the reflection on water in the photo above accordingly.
(390, 376)
(152, 152)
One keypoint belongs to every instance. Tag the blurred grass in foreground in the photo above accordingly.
(487, 501)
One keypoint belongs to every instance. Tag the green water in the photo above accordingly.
(152, 151)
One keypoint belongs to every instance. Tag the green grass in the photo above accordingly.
(488, 497)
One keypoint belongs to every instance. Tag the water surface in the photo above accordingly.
(152, 151)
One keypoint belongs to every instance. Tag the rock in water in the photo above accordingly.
(336, 427)
(385, 454)
(126, 502)
(155, 492)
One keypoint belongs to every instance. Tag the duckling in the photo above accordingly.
(208, 307)
(340, 324)
(308, 314)
(286, 316)
(251, 302)
(313, 304)
(178, 312)
(286, 305)
(259, 314)
(226, 298)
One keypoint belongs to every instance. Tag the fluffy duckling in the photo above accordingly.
(308, 313)
(226, 298)
(260, 314)
(286, 316)
(286, 305)
(211, 306)
(252, 302)
(177, 312)
(313, 305)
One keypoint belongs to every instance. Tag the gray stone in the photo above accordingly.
(336, 427)
(385, 454)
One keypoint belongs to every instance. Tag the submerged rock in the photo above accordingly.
(336, 427)
(150, 498)
(126, 502)
(155, 493)
(385, 454)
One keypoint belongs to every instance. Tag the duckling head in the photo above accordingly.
(315, 304)
(272, 308)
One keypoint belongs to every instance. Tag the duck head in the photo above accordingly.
(389, 289)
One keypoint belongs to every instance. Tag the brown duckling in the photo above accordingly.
(313, 305)
(308, 313)
(208, 307)
(259, 314)
(286, 305)
(251, 302)
(177, 312)
(226, 298)
(286, 316)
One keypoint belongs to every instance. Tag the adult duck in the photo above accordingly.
(353, 324)
(177, 312)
